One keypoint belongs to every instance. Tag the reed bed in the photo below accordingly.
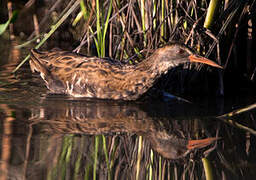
(128, 30)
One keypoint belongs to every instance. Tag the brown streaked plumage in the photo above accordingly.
(81, 76)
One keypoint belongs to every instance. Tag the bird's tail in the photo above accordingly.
(36, 64)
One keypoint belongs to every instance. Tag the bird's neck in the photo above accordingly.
(139, 78)
(145, 74)
(156, 65)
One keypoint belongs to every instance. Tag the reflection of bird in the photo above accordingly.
(57, 115)
(81, 76)
(172, 147)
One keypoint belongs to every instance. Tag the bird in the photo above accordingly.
(78, 75)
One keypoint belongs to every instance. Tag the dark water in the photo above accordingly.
(47, 136)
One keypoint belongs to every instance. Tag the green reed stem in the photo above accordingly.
(77, 165)
(95, 157)
(142, 10)
(87, 172)
(112, 154)
(160, 168)
(61, 164)
(207, 169)
(106, 26)
(65, 155)
(79, 159)
(154, 14)
(106, 155)
(139, 158)
(27, 42)
(150, 165)
(53, 29)
(101, 35)
(211, 11)
(162, 18)
(238, 111)
(83, 9)
(238, 125)
(4, 26)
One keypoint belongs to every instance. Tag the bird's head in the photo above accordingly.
(175, 54)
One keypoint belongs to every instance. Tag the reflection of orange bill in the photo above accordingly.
(200, 143)
(203, 60)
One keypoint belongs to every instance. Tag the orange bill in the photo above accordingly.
(194, 58)
(200, 143)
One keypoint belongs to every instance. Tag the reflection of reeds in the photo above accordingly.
(227, 118)
(96, 149)
(207, 169)
(74, 156)
(6, 145)
(112, 150)
(127, 155)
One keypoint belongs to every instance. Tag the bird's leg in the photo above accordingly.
(170, 97)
